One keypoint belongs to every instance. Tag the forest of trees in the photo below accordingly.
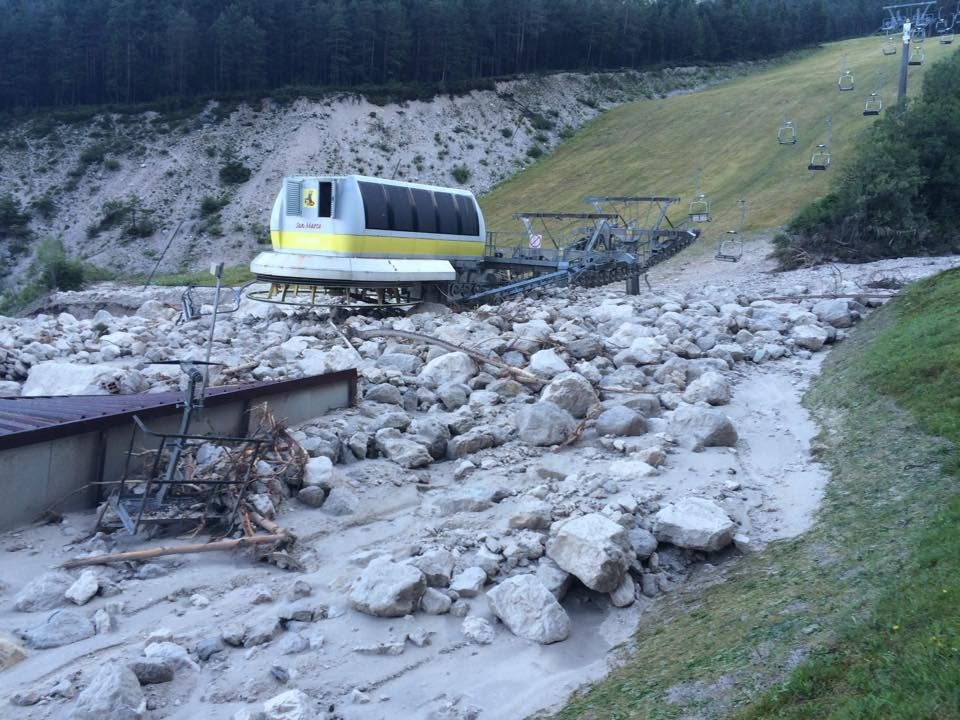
(63, 53)
(900, 194)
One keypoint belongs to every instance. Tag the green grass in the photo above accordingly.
(233, 275)
(904, 661)
(859, 617)
(656, 146)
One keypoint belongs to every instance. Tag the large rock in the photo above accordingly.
(387, 589)
(384, 393)
(86, 586)
(470, 582)
(544, 423)
(642, 351)
(403, 451)
(594, 548)
(620, 421)
(318, 472)
(703, 427)
(341, 501)
(290, 705)
(113, 694)
(44, 593)
(811, 337)
(436, 565)
(644, 542)
(625, 593)
(451, 367)
(572, 392)
(695, 523)
(62, 627)
(10, 653)
(835, 312)
(711, 387)
(531, 514)
(530, 610)
(546, 363)
(60, 378)
(404, 362)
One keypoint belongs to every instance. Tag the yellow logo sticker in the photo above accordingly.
(309, 197)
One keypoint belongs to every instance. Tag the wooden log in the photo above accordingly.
(177, 550)
(519, 373)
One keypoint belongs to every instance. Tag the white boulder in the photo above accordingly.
(450, 367)
(572, 392)
(530, 610)
(594, 549)
(388, 589)
(695, 523)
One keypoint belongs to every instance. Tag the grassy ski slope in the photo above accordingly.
(656, 146)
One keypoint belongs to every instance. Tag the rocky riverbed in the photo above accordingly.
(476, 535)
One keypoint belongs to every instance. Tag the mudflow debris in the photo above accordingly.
(511, 492)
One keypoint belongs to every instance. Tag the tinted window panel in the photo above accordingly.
(375, 210)
(326, 200)
(447, 213)
(401, 208)
(469, 222)
(426, 212)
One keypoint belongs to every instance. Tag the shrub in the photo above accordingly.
(506, 132)
(234, 173)
(535, 151)
(461, 173)
(93, 153)
(111, 164)
(210, 205)
(14, 220)
(129, 214)
(45, 206)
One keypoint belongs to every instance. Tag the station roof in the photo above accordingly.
(28, 420)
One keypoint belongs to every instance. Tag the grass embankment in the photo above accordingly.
(232, 275)
(655, 146)
(860, 617)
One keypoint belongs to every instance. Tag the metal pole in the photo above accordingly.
(904, 62)
(216, 269)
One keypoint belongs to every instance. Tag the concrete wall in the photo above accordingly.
(77, 471)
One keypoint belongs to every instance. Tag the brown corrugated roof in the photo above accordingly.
(28, 420)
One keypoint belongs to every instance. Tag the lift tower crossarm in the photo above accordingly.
(566, 216)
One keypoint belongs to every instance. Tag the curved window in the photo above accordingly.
(401, 208)
(469, 222)
(404, 209)
(426, 211)
(447, 214)
(375, 209)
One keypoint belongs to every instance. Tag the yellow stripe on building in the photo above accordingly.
(375, 245)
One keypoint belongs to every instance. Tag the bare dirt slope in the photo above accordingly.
(72, 170)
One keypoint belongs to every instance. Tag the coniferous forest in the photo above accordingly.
(63, 53)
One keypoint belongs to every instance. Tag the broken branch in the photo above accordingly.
(177, 550)
(520, 374)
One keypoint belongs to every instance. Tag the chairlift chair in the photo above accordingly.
(699, 210)
(845, 81)
(730, 250)
(787, 133)
(820, 159)
(873, 105)
(916, 55)
(889, 46)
